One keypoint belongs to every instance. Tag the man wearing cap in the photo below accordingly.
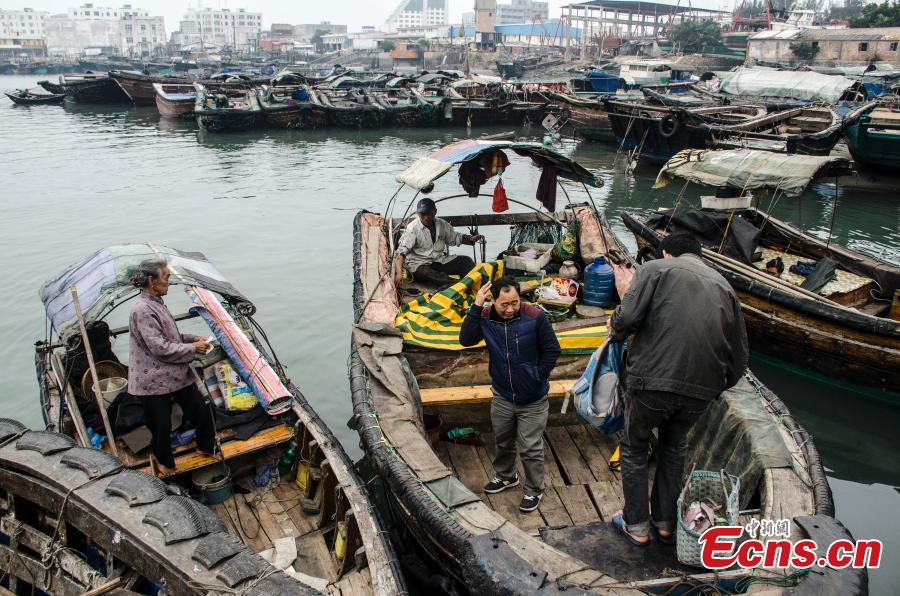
(423, 248)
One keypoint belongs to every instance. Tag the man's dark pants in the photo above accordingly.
(674, 415)
(439, 273)
(157, 415)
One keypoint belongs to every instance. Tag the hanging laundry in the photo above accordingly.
(546, 189)
(500, 203)
(471, 177)
(494, 163)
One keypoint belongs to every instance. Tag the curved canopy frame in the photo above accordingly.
(101, 281)
(426, 170)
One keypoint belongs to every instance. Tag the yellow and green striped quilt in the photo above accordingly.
(433, 320)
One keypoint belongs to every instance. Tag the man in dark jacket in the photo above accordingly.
(523, 351)
(689, 345)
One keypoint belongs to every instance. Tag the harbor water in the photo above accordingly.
(273, 210)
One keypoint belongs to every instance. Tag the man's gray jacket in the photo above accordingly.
(689, 335)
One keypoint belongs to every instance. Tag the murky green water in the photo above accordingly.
(273, 210)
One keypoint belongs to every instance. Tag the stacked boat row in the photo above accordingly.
(238, 102)
(306, 107)
(780, 111)
(656, 128)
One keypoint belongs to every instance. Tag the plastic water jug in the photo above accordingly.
(599, 284)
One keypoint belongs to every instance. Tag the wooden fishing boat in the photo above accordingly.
(405, 108)
(807, 130)
(293, 106)
(350, 108)
(848, 328)
(139, 87)
(584, 117)
(656, 133)
(93, 88)
(175, 100)
(874, 141)
(25, 97)
(54, 88)
(78, 519)
(402, 374)
(226, 109)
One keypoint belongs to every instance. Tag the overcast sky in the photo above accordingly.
(354, 13)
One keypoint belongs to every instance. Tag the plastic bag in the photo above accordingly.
(597, 394)
(567, 246)
(236, 394)
(500, 202)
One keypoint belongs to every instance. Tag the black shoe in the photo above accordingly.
(530, 502)
(498, 484)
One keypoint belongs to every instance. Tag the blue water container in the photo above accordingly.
(599, 284)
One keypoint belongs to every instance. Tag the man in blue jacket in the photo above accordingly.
(523, 351)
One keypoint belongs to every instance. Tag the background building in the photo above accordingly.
(521, 11)
(415, 13)
(236, 30)
(305, 31)
(128, 30)
(143, 35)
(22, 34)
(837, 46)
(485, 20)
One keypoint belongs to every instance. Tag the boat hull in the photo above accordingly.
(139, 88)
(36, 100)
(101, 90)
(304, 116)
(355, 117)
(858, 348)
(228, 120)
(178, 110)
(647, 136)
(584, 117)
(875, 146)
(52, 87)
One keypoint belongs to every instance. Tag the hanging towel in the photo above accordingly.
(546, 189)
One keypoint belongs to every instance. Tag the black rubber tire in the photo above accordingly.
(668, 126)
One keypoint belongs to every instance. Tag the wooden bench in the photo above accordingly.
(480, 394)
(264, 439)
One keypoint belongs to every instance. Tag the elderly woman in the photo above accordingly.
(158, 371)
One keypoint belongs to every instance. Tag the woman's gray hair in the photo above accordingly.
(147, 270)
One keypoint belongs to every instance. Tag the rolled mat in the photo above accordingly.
(274, 397)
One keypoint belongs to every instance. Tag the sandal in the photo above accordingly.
(667, 540)
(618, 522)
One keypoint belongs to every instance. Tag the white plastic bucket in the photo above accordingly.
(111, 387)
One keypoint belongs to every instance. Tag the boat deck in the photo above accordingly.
(579, 486)
(259, 518)
(188, 459)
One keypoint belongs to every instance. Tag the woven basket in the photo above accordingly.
(719, 487)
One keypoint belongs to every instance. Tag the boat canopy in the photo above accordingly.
(808, 86)
(101, 281)
(428, 169)
(746, 169)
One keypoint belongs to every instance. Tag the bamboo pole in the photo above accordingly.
(69, 399)
(93, 368)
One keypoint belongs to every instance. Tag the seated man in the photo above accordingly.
(423, 248)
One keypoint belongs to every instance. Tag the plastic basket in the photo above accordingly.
(719, 487)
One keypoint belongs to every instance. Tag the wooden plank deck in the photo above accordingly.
(258, 518)
(579, 487)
